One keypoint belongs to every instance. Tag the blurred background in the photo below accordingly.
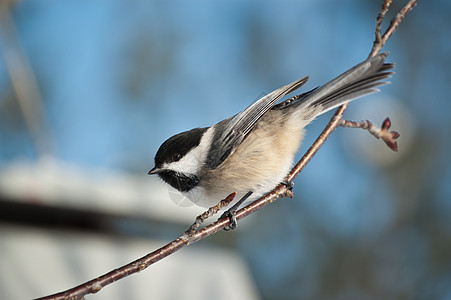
(90, 89)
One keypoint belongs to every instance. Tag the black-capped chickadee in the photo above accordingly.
(252, 152)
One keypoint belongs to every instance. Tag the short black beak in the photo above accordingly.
(155, 170)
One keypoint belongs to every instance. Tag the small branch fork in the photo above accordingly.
(381, 40)
(194, 234)
(210, 212)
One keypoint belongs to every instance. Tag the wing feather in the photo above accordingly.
(231, 132)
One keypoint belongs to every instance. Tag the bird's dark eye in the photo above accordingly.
(176, 157)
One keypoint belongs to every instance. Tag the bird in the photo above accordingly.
(251, 152)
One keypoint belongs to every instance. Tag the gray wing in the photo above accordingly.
(231, 132)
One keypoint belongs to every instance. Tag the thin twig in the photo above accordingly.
(279, 191)
(380, 41)
(210, 212)
(389, 137)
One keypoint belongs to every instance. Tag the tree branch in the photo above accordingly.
(193, 235)
(381, 40)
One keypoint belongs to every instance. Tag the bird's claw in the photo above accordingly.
(289, 184)
(231, 215)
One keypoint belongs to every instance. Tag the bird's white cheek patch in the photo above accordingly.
(195, 158)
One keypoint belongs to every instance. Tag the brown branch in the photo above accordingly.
(279, 191)
(330, 127)
(95, 285)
